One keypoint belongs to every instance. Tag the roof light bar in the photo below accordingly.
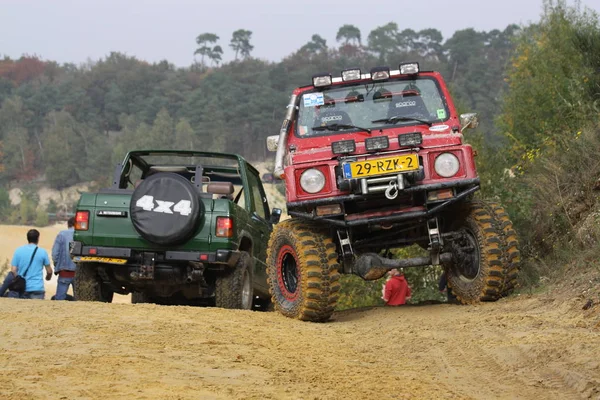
(322, 80)
(351, 74)
(380, 73)
(409, 68)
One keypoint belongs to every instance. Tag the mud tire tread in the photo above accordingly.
(511, 256)
(229, 287)
(140, 298)
(488, 284)
(87, 285)
(317, 266)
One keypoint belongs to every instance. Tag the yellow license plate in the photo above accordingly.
(107, 260)
(382, 166)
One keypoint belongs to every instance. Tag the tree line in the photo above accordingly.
(68, 123)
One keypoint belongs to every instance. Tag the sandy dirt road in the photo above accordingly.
(519, 348)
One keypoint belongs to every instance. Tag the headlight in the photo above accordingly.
(343, 147)
(409, 68)
(380, 73)
(321, 80)
(446, 165)
(410, 139)
(377, 143)
(312, 181)
(351, 75)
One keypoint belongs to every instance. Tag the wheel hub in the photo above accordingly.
(466, 256)
(246, 292)
(288, 272)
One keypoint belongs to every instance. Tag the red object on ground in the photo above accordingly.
(396, 291)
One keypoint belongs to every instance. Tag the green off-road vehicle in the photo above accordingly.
(176, 227)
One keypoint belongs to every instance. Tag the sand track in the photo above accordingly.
(530, 348)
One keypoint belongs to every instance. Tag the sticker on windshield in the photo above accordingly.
(302, 130)
(441, 113)
(313, 99)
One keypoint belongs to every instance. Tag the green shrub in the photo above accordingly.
(41, 218)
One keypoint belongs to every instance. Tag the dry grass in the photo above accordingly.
(564, 189)
(4, 268)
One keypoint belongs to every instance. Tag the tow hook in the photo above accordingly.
(392, 191)
(394, 187)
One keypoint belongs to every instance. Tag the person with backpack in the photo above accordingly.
(28, 265)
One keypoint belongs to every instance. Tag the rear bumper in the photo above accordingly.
(227, 257)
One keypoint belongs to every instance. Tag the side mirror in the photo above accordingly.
(469, 120)
(272, 142)
(275, 215)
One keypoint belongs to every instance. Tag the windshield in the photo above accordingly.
(362, 104)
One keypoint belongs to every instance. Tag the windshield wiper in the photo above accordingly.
(398, 118)
(337, 127)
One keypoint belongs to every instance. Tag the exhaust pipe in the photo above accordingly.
(371, 266)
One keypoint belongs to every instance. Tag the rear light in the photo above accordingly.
(343, 147)
(224, 227)
(377, 143)
(93, 251)
(82, 219)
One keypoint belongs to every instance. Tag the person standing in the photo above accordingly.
(396, 290)
(29, 261)
(64, 267)
(445, 289)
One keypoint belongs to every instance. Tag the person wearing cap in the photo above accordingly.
(396, 290)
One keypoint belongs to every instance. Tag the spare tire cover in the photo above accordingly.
(166, 209)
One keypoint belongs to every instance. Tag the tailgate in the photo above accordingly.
(110, 223)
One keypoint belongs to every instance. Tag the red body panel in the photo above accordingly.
(315, 152)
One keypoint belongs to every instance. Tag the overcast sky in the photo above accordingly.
(75, 30)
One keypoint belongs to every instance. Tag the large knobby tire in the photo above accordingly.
(88, 286)
(166, 209)
(511, 256)
(140, 298)
(303, 271)
(477, 270)
(234, 290)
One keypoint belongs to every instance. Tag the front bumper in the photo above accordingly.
(133, 256)
(466, 186)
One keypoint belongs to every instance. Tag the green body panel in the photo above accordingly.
(251, 232)
(119, 232)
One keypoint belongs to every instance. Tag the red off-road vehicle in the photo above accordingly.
(372, 162)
